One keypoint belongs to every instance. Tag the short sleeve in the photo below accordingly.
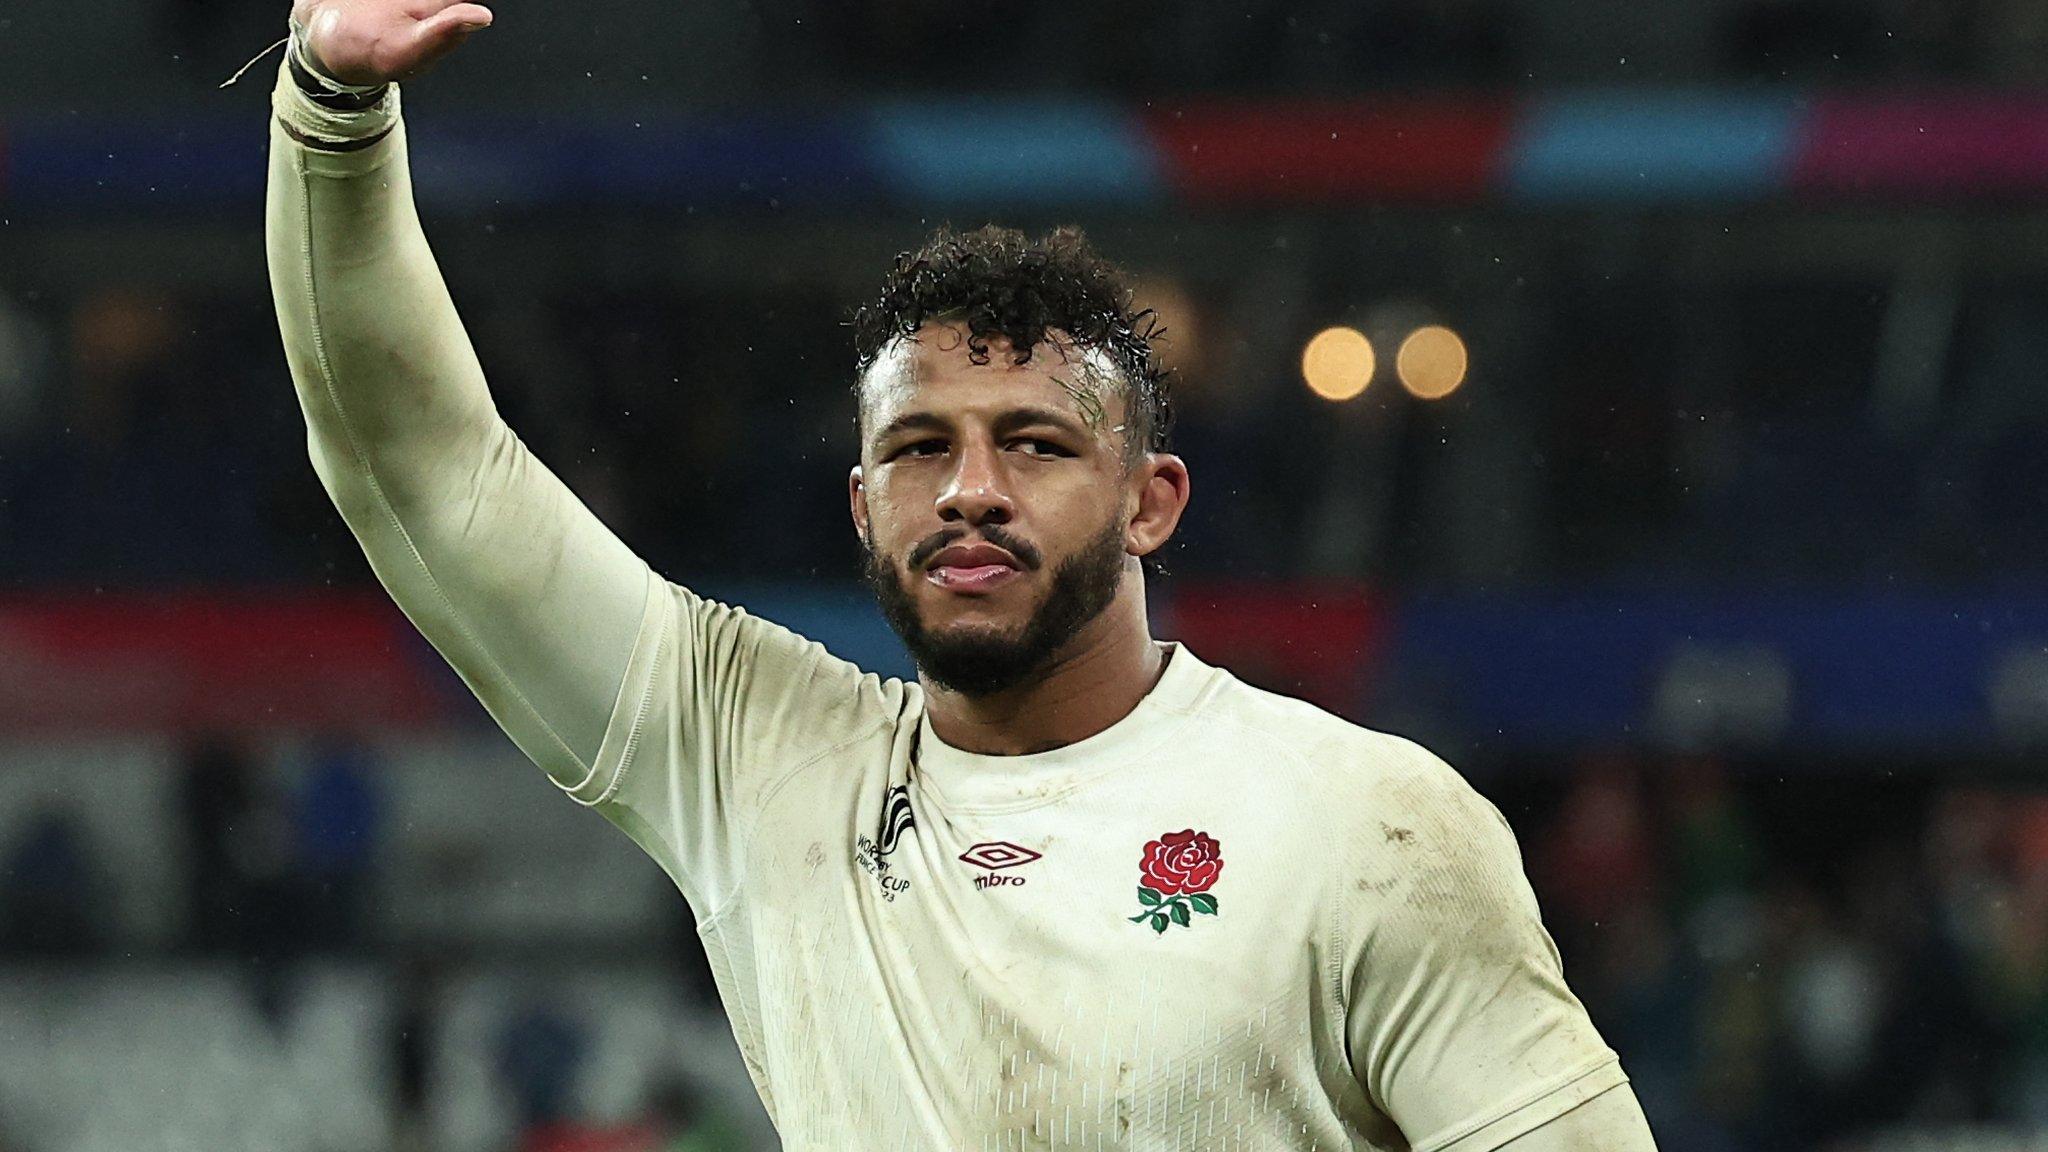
(716, 708)
(1458, 1021)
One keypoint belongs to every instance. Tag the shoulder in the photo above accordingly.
(1363, 772)
(727, 633)
(765, 687)
(1397, 833)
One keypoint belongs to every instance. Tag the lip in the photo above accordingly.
(972, 568)
(972, 579)
(972, 555)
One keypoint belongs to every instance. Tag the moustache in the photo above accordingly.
(1027, 556)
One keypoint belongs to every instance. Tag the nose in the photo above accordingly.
(977, 492)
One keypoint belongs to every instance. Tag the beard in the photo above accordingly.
(982, 661)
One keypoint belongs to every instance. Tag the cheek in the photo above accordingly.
(1077, 517)
(891, 518)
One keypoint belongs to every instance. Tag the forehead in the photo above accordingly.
(936, 372)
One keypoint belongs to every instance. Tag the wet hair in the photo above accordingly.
(999, 282)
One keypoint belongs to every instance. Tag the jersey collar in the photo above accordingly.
(971, 780)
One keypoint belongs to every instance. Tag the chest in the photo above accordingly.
(1118, 917)
(1093, 971)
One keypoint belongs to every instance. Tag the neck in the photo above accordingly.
(1091, 684)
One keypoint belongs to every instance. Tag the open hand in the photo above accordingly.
(376, 41)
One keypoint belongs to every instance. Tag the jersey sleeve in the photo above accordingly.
(531, 599)
(1457, 1018)
(719, 708)
(632, 694)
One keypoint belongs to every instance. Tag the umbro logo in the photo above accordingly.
(996, 855)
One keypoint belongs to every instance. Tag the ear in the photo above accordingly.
(1161, 483)
(857, 501)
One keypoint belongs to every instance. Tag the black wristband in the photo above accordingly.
(322, 93)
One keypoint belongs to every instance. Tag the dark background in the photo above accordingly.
(1723, 572)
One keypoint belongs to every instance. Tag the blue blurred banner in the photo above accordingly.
(1894, 676)
(1638, 145)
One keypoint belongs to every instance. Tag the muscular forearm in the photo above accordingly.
(391, 389)
(528, 595)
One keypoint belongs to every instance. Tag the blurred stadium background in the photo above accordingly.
(1640, 401)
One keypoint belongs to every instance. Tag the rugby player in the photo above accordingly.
(1073, 887)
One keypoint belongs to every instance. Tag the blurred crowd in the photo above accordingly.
(1787, 957)
(1805, 964)
(281, 876)
(149, 437)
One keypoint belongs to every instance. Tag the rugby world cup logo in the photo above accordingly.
(897, 819)
(871, 855)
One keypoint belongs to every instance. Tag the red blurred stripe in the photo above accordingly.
(256, 662)
(1318, 641)
(1421, 148)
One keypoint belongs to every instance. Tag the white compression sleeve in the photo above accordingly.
(531, 598)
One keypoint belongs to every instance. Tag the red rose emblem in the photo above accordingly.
(1186, 861)
(1174, 880)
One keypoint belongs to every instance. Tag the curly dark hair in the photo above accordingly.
(1002, 283)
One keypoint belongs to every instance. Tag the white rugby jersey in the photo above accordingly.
(1230, 921)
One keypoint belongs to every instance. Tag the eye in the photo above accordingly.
(1040, 447)
(920, 448)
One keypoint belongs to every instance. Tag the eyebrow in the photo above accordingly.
(1009, 420)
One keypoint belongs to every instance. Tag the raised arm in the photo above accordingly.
(533, 600)
(672, 714)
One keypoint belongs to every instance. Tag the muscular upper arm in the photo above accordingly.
(1460, 1026)
(1613, 1121)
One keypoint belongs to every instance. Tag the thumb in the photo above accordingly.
(472, 16)
(442, 32)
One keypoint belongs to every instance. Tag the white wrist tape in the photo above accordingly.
(316, 122)
(305, 58)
